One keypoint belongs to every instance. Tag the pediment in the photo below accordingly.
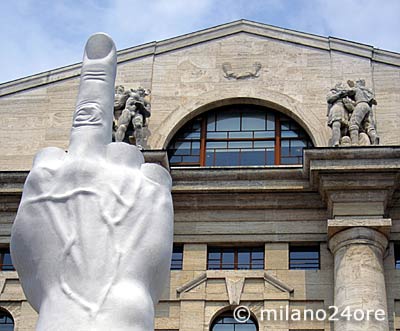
(251, 29)
(234, 283)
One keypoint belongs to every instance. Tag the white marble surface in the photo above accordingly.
(92, 239)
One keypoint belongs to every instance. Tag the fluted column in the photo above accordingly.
(359, 278)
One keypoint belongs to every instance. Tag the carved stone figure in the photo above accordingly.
(350, 115)
(92, 239)
(361, 120)
(339, 106)
(136, 109)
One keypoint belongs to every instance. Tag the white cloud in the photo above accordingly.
(372, 22)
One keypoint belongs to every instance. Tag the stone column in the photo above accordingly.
(359, 278)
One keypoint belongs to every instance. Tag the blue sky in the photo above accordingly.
(40, 35)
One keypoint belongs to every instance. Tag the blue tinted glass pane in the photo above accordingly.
(289, 134)
(298, 143)
(240, 144)
(304, 255)
(191, 159)
(177, 256)
(195, 145)
(243, 257)
(223, 327)
(176, 265)
(296, 151)
(6, 323)
(228, 122)
(270, 121)
(7, 259)
(290, 160)
(229, 320)
(258, 254)
(253, 121)
(285, 126)
(270, 157)
(264, 134)
(211, 122)
(217, 135)
(214, 255)
(216, 144)
(264, 144)
(245, 327)
(285, 148)
(225, 158)
(214, 265)
(175, 159)
(285, 151)
(182, 148)
(210, 157)
(228, 257)
(228, 266)
(255, 157)
(241, 135)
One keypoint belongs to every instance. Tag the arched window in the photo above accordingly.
(6, 321)
(226, 322)
(239, 135)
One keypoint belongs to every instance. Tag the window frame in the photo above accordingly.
(229, 314)
(235, 250)
(5, 267)
(306, 248)
(8, 318)
(397, 256)
(195, 133)
(177, 264)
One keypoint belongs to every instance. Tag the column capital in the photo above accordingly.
(358, 235)
(354, 181)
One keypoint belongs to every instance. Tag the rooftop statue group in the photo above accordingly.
(131, 106)
(350, 114)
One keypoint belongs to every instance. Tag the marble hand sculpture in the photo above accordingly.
(92, 239)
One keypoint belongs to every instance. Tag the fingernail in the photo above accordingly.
(98, 46)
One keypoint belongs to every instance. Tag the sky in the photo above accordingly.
(39, 35)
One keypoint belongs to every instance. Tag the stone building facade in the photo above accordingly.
(326, 226)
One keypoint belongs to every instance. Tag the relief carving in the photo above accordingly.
(230, 74)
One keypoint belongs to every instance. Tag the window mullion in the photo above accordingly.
(203, 137)
(277, 140)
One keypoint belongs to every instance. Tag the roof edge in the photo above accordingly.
(216, 32)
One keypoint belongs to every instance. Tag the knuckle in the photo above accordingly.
(94, 75)
(87, 113)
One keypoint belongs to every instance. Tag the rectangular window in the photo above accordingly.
(5, 260)
(397, 255)
(305, 257)
(177, 257)
(235, 258)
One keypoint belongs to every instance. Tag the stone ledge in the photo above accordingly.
(336, 225)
